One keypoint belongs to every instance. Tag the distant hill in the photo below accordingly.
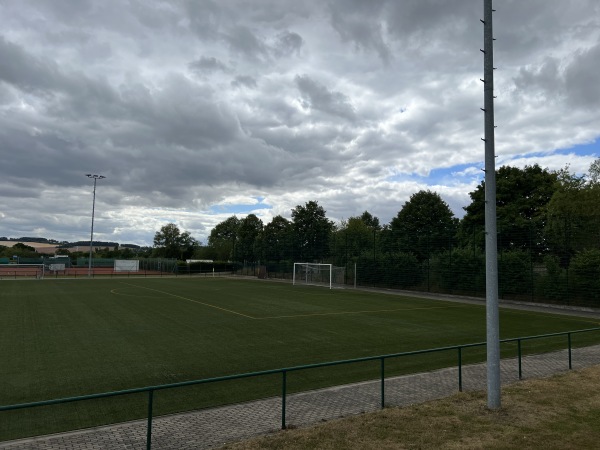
(9, 242)
(87, 243)
(39, 240)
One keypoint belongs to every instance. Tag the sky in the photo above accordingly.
(195, 111)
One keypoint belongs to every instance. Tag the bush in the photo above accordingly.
(585, 267)
(401, 270)
(514, 273)
(460, 271)
(553, 284)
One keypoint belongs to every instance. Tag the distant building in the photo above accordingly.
(86, 248)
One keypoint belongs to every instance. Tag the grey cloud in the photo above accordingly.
(396, 29)
(271, 111)
(207, 64)
(245, 42)
(422, 20)
(186, 115)
(60, 10)
(318, 97)
(74, 94)
(314, 153)
(576, 83)
(46, 157)
(545, 79)
(525, 28)
(288, 43)
(7, 96)
(269, 13)
(244, 81)
(581, 78)
(361, 23)
(25, 71)
(206, 18)
(546, 76)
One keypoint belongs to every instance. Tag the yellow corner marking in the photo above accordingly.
(191, 300)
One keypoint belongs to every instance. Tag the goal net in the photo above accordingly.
(315, 274)
(22, 270)
(127, 265)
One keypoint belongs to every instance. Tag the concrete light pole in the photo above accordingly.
(491, 243)
(95, 178)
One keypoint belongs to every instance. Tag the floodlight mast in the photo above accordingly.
(95, 178)
(491, 240)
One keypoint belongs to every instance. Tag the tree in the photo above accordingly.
(248, 232)
(355, 237)
(461, 271)
(170, 242)
(21, 250)
(594, 172)
(369, 220)
(312, 231)
(586, 268)
(222, 239)
(521, 199)
(424, 225)
(278, 239)
(573, 214)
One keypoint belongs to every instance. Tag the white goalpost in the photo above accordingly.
(127, 265)
(315, 274)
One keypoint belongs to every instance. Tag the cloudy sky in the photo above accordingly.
(196, 110)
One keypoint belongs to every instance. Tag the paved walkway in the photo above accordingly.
(214, 427)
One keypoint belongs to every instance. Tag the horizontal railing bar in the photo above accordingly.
(560, 333)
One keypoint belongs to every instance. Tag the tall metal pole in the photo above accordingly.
(95, 178)
(491, 244)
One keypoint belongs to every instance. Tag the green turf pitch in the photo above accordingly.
(63, 338)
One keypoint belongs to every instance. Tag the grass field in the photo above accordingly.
(63, 338)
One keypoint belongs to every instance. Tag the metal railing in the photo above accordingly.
(284, 372)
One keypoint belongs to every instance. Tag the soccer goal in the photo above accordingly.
(315, 274)
(127, 265)
(22, 271)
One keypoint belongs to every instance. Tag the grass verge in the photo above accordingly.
(554, 413)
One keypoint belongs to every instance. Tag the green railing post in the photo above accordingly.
(460, 369)
(283, 395)
(382, 383)
(570, 353)
(149, 428)
(519, 352)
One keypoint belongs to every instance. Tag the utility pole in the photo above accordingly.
(491, 243)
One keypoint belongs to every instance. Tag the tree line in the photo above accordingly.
(540, 211)
(547, 221)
